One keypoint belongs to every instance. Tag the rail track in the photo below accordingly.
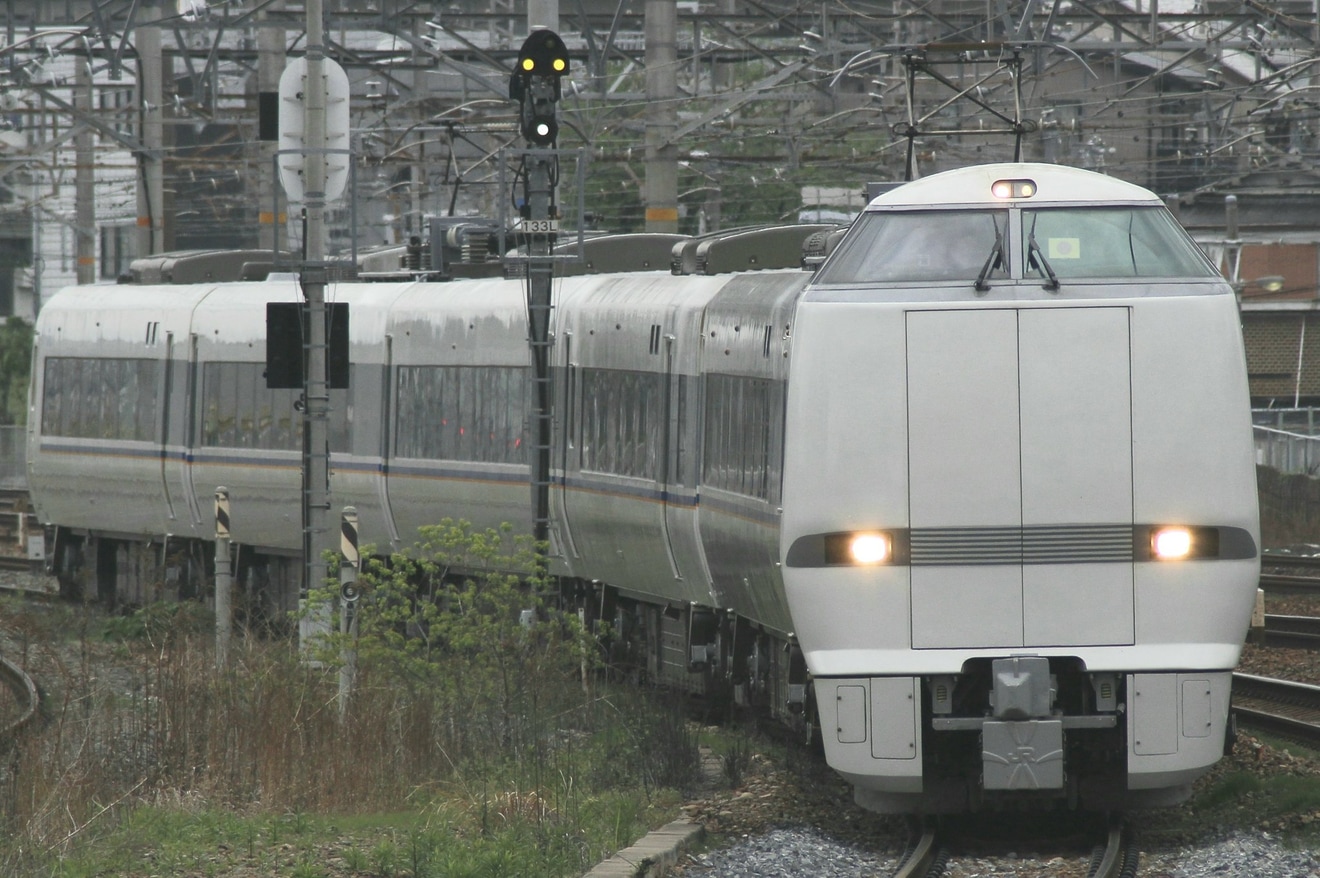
(1295, 632)
(1290, 560)
(25, 696)
(1114, 856)
(1290, 710)
(925, 855)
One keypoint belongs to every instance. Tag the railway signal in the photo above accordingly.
(535, 85)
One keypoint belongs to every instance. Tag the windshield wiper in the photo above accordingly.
(993, 261)
(1036, 259)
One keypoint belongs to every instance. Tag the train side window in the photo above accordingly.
(99, 398)
(621, 414)
(743, 441)
(473, 413)
(53, 393)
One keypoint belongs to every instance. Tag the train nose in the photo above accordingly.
(1019, 420)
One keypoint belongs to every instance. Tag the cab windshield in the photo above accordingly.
(1053, 244)
(1109, 242)
(923, 245)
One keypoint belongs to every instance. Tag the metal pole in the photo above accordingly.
(151, 177)
(540, 277)
(84, 173)
(316, 453)
(661, 26)
(270, 64)
(224, 615)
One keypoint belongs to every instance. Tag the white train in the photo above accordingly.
(975, 501)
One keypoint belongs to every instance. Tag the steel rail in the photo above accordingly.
(25, 691)
(1299, 632)
(924, 856)
(1283, 582)
(1117, 857)
(1282, 707)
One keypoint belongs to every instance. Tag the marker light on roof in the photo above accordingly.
(1013, 188)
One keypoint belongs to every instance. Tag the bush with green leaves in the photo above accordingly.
(458, 630)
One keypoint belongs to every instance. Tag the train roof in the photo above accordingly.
(1053, 184)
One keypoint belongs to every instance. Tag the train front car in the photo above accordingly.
(1020, 526)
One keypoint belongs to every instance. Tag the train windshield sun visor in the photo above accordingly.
(921, 245)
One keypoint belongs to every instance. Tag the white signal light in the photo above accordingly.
(869, 548)
(1171, 543)
(1001, 189)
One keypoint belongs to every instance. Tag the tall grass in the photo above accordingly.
(462, 702)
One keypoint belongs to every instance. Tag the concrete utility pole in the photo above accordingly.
(316, 451)
(661, 193)
(84, 172)
(542, 13)
(150, 170)
(270, 64)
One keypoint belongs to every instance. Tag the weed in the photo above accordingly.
(385, 856)
(465, 706)
(1233, 786)
(307, 869)
(355, 859)
(737, 759)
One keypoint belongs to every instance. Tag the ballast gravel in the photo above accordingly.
(1254, 854)
(797, 853)
(788, 853)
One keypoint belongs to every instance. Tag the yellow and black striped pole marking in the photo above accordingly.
(222, 513)
(348, 548)
(224, 580)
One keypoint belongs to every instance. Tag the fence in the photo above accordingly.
(13, 458)
(1287, 452)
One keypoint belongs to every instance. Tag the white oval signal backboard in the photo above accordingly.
(293, 128)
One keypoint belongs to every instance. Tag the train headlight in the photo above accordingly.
(869, 548)
(858, 548)
(1013, 188)
(1171, 543)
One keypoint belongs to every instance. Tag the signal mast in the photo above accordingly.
(535, 85)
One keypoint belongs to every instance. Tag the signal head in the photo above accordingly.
(543, 53)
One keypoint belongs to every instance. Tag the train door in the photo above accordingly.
(671, 409)
(564, 458)
(1020, 475)
(166, 394)
(193, 393)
